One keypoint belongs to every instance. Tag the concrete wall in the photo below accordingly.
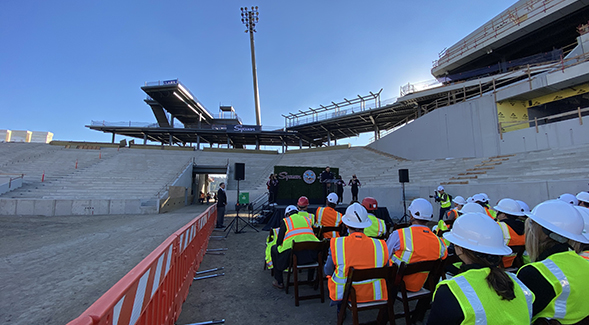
(7, 185)
(466, 129)
(47, 207)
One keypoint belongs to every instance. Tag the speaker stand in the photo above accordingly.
(405, 217)
(235, 221)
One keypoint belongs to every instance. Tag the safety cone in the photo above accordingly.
(99, 154)
(43, 177)
(76, 164)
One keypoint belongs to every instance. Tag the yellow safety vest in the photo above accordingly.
(567, 273)
(480, 304)
(271, 241)
(585, 255)
(377, 228)
(445, 200)
(298, 228)
(309, 216)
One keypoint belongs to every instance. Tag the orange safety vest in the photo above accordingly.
(511, 238)
(328, 217)
(418, 244)
(450, 213)
(361, 252)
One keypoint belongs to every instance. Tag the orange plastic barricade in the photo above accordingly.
(153, 291)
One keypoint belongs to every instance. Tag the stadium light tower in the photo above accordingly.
(249, 17)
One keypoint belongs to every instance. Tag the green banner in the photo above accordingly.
(294, 182)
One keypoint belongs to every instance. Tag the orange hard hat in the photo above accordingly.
(370, 203)
(303, 201)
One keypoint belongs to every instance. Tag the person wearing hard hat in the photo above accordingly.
(445, 200)
(359, 251)
(453, 214)
(416, 243)
(482, 201)
(378, 227)
(583, 198)
(293, 228)
(328, 217)
(510, 218)
(557, 275)
(302, 205)
(583, 249)
(483, 293)
(524, 206)
(569, 198)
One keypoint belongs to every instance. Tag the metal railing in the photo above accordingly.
(498, 26)
(579, 113)
(122, 124)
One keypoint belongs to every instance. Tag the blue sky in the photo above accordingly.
(66, 63)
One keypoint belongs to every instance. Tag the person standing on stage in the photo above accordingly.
(221, 203)
(339, 189)
(326, 178)
(355, 184)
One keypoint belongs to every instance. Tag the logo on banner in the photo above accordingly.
(285, 176)
(309, 176)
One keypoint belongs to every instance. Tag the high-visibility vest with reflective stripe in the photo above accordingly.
(309, 216)
(445, 201)
(480, 303)
(361, 252)
(271, 241)
(585, 255)
(451, 215)
(442, 226)
(377, 228)
(298, 228)
(511, 238)
(490, 212)
(418, 244)
(567, 273)
(328, 217)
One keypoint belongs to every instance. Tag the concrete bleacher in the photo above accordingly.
(134, 180)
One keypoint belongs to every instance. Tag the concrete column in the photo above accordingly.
(376, 133)
(113, 137)
(419, 111)
(257, 143)
(228, 142)
(300, 143)
(198, 142)
(171, 140)
(328, 139)
(144, 138)
(335, 142)
(172, 120)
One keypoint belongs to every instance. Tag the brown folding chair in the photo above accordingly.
(388, 273)
(434, 268)
(294, 268)
(339, 229)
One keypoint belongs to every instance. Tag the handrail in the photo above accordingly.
(505, 22)
(579, 111)
(154, 290)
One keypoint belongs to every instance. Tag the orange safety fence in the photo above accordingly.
(153, 291)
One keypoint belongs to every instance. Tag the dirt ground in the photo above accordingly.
(245, 295)
(53, 268)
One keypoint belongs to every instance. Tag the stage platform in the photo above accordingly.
(273, 221)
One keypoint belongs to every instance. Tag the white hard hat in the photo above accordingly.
(479, 198)
(479, 233)
(290, 209)
(485, 196)
(470, 200)
(561, 218)
(356, 217)
(509, 206)
(569, 198)
(585, 214)
(421, 209)
(524, 206)
(472, 207)
(332, 198)
(459, 200)
(583, 196)
(440, 188)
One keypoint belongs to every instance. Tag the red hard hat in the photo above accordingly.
(370, 203)
(303, 201)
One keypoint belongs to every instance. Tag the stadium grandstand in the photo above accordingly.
(506, 115)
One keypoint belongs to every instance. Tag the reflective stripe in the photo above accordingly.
(300, 231)
(442, 247)
(408, 245)
(288, 222)
(560, 304)
(379, 261)
(527, 293)
(320, 215)
(506, 235)
(473, 300)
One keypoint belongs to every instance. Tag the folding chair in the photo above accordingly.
(339, 229)
(349, 298)
(295, 268)
(434, 268)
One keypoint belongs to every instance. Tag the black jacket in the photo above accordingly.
(221, 198)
